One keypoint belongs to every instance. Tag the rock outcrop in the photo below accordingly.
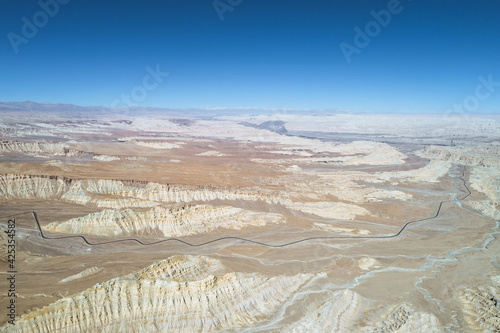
(333, 228)
(482, 308)
(330, 210)
(406, 320)
(32, 187)
(144, 194)
(159, 144)
(342, 184)
(214, 153)
(33, 148)
(337, 314)
(164, 222)
(484, 155)
(160, 298)
(182, 268)
(83, 274)
(487, 181)
(431, 173)
(50, 149)
(171, 193)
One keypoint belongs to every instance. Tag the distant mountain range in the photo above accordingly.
(208, 112)
(137, 110)
(57, 107)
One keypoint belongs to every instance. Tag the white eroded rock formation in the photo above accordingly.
(83, 274)
(482, 307)
(32, 187)
(487, 181)
(431, 173)
(161, 298)
(337, 314)
(168, 222)
(330, 210)
(333, 228)
(32, 148)
(406, 320)
(83, 191)
(475, 155)
(159, 144)
(345, 185)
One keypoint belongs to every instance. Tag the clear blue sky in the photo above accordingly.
(265, 53)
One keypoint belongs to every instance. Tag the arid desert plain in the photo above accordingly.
(187, 221)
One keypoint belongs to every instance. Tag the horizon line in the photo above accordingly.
(246, 108)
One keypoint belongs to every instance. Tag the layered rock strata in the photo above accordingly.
(160, 299)
(167, 222)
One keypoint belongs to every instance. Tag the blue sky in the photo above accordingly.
(264, 53)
